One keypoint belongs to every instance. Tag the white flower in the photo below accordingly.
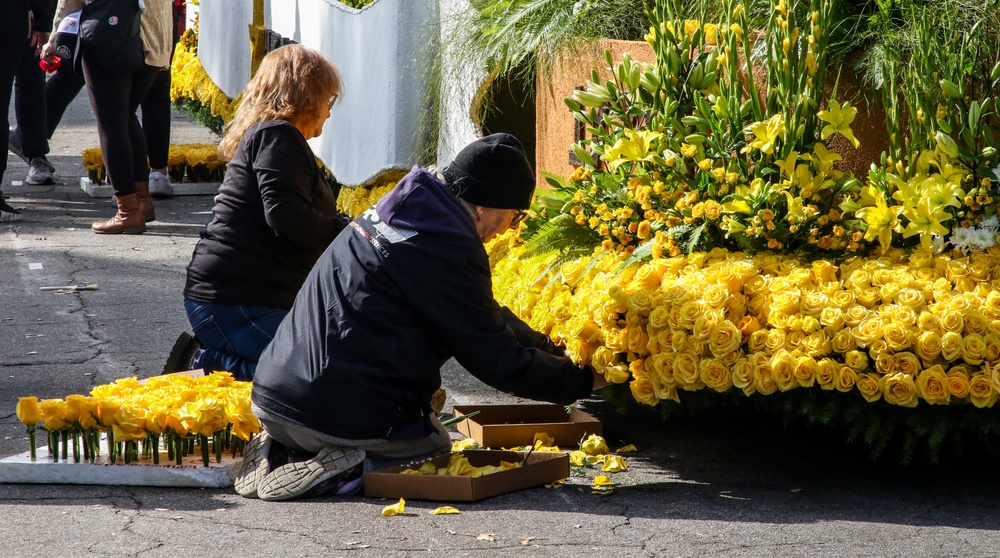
(983, 238)
(991, 224)
(937, 244)
(961, 238)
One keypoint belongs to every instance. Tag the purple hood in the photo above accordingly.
(422, 203)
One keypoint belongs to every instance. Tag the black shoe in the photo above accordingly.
(8, 213)
(14, 144)
(181, 357)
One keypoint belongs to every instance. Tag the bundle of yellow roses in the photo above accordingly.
(907, 329)
(186, 162)
(182, 410)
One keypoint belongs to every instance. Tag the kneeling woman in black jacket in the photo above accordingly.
(274, 214)
(351, 371)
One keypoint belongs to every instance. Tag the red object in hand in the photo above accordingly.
(50, 67)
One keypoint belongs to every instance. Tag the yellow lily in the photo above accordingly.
(637, 145)
(838, 119)
(881, 220)
(765, 134)
(925, 220)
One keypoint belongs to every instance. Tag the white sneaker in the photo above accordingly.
(39, 171)
(159, 185)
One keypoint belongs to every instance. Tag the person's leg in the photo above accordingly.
(28, 138)
(234, 336)
(156, 125)
(141, 83)
(60, 89)
(13, 33)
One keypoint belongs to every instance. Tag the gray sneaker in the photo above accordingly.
(39, 172)
(300, 477)
(159, 185)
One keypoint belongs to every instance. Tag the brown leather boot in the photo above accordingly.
(145, 203)
(128, 220)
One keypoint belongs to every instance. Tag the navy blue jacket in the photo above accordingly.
(401, 290)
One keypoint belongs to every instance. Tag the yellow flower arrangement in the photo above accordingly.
(176, 407)
(910, 329)
(188, 162)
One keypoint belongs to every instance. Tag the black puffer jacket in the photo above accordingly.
(400, 291)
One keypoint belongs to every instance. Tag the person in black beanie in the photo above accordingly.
(346, 384)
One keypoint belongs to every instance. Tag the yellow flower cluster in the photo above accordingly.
(187, 162)
(354, 201)
(130, 411)
(459, 466)
(923, 327)
(188, 80)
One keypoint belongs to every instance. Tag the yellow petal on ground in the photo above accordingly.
(614, 464)
(445, 510)
(411, 472)
(627, 449)
(462, 445)
(603, 480)
(578, 458)
(594, 445)
(395, 509)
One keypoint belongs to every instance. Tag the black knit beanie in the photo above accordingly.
(492, 172)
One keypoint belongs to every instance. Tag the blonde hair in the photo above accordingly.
(292, 82)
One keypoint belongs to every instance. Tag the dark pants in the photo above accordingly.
(13, 34)
(114, 98)
(64, 85)
(29, 105)
(234, 336)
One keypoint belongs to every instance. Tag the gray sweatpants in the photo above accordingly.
(379, 453)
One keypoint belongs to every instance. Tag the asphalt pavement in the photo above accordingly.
(726, 484)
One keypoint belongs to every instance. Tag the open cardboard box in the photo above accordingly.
(509, 426)
(539, 469)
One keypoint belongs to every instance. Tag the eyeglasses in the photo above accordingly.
(518, 218)
(333, 100)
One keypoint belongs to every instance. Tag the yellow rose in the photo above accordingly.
(614, 464)
(658, 317)
(724, 338)
(763, 380)
(813, 303)
(885, 363)
(992, 347)
(686, 372)
(742, 374)
(640, 301)
(958, 383)
(911, 298)
(857, 360)
(868, 330)
(715, 295)
(976, 322)
(578, 458)
(637, 339)
(594, 445)
(786, 301)
(868, 385)
(758, 341)
(951, 346)
(842, 299)
(826, 373)
(616, 340)
(981, 391)
(602, 357)
(932, 386)
(617, 373)
(832, 317)
(642, 390)
(951, 320)
(855, 314)
(816, 344)
(868, 296)
(843, 341)
(805, 371)
(28, 411)
(900, 389)
(846, 379)
(775, 340)
(54, 414)
(908, 363)
(705, 323)
(783, 369)
(928, 346)
(897, 336)
(973, 349)
(715, 374)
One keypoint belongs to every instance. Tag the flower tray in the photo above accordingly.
(20, 469)
(182, 189)
(509, 426)
(538, 469)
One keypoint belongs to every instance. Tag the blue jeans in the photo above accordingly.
(233, 335)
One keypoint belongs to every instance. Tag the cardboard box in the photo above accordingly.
(539, 469)
(510, 426)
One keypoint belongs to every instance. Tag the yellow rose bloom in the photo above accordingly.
(28, 411)
(928, 346)
(973, 349)
(54, 414)
(868, 385)
(724, 338)
(900, 389)
(932, 386)
(715, 374)
(783, 369)
(826, 373)
(847, 378)
(958, 383)
(981, 391)
(951, 346)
